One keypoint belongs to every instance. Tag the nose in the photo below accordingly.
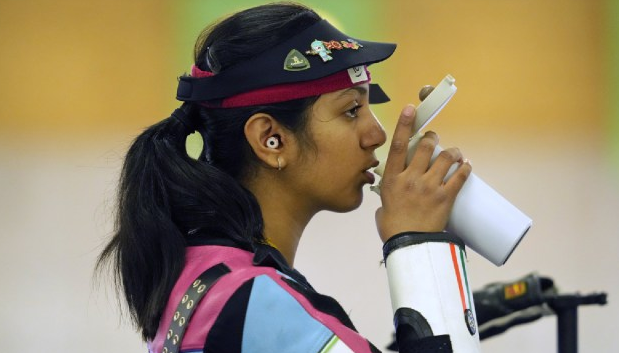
(374, 135)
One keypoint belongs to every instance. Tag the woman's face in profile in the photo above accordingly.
(345, 134)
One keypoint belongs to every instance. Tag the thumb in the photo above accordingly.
(378, 216)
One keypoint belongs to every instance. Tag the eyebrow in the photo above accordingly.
(362, 90)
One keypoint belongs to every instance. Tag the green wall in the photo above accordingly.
(613, 63)
(357, 17)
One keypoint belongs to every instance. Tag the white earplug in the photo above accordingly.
(273, 142)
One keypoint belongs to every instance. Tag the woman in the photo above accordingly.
(204, 249)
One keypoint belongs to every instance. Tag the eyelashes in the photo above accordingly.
(354, 111)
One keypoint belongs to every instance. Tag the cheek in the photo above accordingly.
(336, 144)
(336, 157)
(337, 168)
(339, 140)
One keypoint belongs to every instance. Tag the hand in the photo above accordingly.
(415, 197)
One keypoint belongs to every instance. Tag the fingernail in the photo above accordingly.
(425, 92)
(408, 110)
(467, 161)
(434, 132)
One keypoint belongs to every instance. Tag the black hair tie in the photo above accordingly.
(185, 114)
(188, 116)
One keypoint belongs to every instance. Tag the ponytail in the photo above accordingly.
(166, 197)
(163, 196)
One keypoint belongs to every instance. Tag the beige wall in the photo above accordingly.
(523, 66)
(75, 70)
(79, 80)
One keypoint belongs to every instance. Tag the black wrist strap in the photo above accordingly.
(413, 238)
(188, 304)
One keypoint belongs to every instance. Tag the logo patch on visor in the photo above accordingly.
(295, 61)
(357, 74)
(324, 48)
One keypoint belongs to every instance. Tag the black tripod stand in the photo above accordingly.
(566, 308)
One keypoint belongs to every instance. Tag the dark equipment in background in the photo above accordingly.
(503, 305)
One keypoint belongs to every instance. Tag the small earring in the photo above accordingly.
(279, 164)
(273, 142)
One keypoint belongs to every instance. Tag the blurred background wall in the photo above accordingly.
(537, 112)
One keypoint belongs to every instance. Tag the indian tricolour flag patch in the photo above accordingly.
(458, 258)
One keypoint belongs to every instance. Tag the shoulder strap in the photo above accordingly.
(185, 309)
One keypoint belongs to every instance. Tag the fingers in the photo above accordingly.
(423, 153)
(396, 159)
(459, 177)
(416, 197)
(443, 163)
(446, 160)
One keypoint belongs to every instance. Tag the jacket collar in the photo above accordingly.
(264, 255)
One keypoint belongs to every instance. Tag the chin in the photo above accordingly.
(351, 204)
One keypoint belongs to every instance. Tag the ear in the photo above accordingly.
(258, 128)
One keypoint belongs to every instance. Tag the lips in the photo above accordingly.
(369, 175)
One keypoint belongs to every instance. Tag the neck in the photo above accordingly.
(283, 232)
(284, 215)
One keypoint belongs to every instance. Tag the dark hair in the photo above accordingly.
(165, 196)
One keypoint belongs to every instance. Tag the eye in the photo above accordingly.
(354, 112)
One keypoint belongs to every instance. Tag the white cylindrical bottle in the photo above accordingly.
(486, 221)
